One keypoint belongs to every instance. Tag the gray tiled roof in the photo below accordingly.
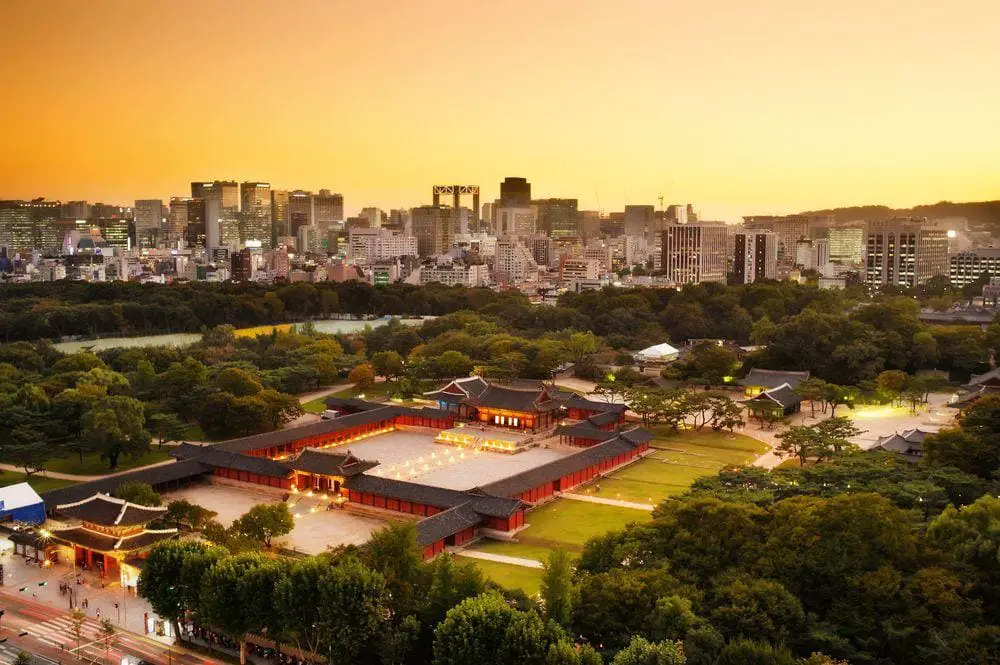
(447, 523)
(772, 378)
(157, 476)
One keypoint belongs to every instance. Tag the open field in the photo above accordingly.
(510, 576)
(93, 465)
(677, 460)
(38, 482)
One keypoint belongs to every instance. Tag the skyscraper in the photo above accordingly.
(639, 219)
(195, 236)
(279, 213)
(300, 211)
(755, 257)
(432, 225)
(148, 221)
(255, 209)
(178, 219)
(694, 253)
(904, 252)
(227, 191)
(519, 222)
(515, 193)
(558, 218)
(847, 244)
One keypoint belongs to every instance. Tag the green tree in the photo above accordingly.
(23, 658)
(970, 536)
(963, 450)
(798, 441)
(138, 493)
(486, 630)
(107, 635)
(710, 363)
(557, 588)
(388, 364)
(892, 383)
(812, 389)
(264, 522)
(362, 376)
(238, 382)
(78, 619)
(748, 652)
(393, 552)
(166, 427)
(161, 582)
(182, 512)
(450, 583)
(224, 602)
(353, 604)
(116, 426)
(581, 345)
(758, 609)
(26, 448)
(451, 364)
(641, 651)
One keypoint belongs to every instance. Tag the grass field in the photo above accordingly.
(39, 483)
(678, 460)
(93, 465)
(256, 331)
(510, 576)
(317, 405)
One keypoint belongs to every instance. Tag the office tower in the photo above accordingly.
(399, 220)
(789, 230)
(379, 244)
(16, 233)
(677, 214)
(300, 211)
(557, 218)
(638, 219)
(328, 210)
(820, 253)
(227, 191)
(432, 226)
(541, 249)
(515, 193)
(374, 217)
(904, 252)
(755, 256)
(847, 244)
(969, 266)
(694, 253)
(590, 223)
(255, 209)
(195, 235)
(177, 221)
(148, 221)
(576, 269)
(516, 222)
(279, 213)
(486, 217)
(75, 210)
(241, 269)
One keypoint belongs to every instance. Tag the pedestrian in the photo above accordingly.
(98, 612)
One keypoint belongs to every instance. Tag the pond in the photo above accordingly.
(330, 326)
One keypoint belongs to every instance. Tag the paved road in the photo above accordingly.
(70, 476)
(607, 502)
(316, 394)
(499, 558)
(47, 633)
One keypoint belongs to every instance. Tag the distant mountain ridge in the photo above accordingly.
(985, 213)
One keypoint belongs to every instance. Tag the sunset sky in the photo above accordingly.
(736, 106)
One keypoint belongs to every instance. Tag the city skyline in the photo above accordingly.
(775, 108)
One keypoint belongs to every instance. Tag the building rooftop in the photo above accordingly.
(107, 510)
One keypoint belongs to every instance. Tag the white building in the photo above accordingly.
(694, 253)
(514, 263)
(453, 274)
(379, 244)
(573, 269)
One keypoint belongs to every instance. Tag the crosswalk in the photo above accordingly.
(8, 654)
(58, 632)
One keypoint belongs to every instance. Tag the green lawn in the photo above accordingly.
(520, 550)
(93, 465)
(678, 459)
(317, 405)
(38, 482)
(510, 576)
(374, 391)
(194, 432)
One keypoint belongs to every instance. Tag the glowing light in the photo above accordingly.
(952, 233)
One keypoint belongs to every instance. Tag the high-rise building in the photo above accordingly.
(195, 236)
(558, 218)
(694, 253)
(374, 217)
(432, 226)
(639, 219)
(969, 266)
(255, 209)
(789, 229)
(513, 262)
(242, 266)
(328, 210)
(515, 193)
(379, 244)
(148, 221)
(755, 256)
(279, 213)
(904, 252)
(399, 220)
(300, 211)
(177, 221)
(516, 222)
(227, 191)
(541, 249)
(847, 244)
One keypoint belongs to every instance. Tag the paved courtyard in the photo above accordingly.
(315, 527)
(440, 465)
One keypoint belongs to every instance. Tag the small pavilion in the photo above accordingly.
(107, 531)
(325, 472)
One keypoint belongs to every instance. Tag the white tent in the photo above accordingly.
(657, 353)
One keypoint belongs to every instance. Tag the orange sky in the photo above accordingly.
(736, 106)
